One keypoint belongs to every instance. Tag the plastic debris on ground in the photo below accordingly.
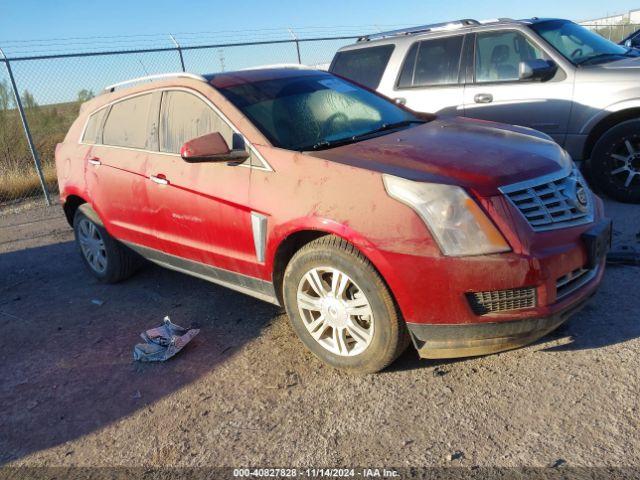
(163, 342)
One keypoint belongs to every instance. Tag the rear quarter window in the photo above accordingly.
(364, 65)
(93, 131)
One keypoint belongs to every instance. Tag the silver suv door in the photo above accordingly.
(496, 93)
(429, 78)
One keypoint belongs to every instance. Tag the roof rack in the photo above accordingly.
(151, 78)
(465, 22)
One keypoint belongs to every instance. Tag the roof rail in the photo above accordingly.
(293, 66)
(465, 22)
(151, 78)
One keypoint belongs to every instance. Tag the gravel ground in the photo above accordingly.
(246, 393)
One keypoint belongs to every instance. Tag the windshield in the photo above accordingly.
(312, 112)
(576, 43)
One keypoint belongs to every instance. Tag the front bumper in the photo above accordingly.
(468, 340)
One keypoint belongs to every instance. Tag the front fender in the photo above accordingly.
(609, 110)
(331, 227)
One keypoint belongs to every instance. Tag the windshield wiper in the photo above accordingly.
(387, 126)
(324, 144)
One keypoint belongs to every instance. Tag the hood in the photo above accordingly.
(474, 154)
(622, 64)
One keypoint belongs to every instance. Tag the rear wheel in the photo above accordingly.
(615, 162)
(340, 307)
(106, 258)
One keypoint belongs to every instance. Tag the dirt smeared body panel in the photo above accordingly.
(204, 213)
(471, 153)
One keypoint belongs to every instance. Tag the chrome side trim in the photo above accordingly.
(259, 227)
(255, 287)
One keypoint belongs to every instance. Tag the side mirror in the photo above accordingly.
(537, 69)
(211, 147)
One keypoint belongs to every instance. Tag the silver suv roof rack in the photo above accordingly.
(465, 22)
(151, 78)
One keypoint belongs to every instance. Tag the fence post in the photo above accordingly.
(295, 39)
(173, 39)
(27, 131)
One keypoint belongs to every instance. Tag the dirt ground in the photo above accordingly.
(246, 393)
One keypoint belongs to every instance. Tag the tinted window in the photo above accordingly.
(184, 117)
(313, 111)
(432, 62)
(129, 123)
(498, 55)
(364, 65)
(94, 125)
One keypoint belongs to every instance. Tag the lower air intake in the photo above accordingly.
(502, 300)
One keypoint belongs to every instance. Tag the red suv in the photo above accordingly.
(370, 224)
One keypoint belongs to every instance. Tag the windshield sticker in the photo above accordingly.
(338, 85)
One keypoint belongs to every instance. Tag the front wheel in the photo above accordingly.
(340, 307)
(615, 162)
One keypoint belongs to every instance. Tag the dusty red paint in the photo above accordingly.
(204, 212)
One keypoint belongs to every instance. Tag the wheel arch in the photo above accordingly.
(71, 205)
(605, 124)
(297, 239)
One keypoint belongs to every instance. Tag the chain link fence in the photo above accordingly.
(46, 91)
(40, 95)
(616, 33)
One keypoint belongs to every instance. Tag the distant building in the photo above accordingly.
(632, 16)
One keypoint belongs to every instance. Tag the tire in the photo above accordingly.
(615, 162)
(118, 262)
(358, 343)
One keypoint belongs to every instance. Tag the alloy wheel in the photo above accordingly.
(625, 165)
(92, 245)
(335, 311)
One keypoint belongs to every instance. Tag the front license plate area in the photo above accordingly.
(597, 241)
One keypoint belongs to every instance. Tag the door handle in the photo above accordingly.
(94, 161)
(160, 179)
(483, 98)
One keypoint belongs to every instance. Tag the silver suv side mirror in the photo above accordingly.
(537, 69)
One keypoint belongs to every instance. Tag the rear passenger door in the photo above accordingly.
(200, 209)
(430, 78)
(122, 135)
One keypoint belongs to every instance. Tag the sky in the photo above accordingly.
(44, 19)
(37, 27)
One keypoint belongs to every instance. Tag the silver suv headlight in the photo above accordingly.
(456, 221)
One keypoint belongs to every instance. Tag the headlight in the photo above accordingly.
(457, 223)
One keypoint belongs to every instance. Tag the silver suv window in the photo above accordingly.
(92, 132)
(432, 62)
(498, 55)
(364, 65)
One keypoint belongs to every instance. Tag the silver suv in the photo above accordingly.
(548, 74)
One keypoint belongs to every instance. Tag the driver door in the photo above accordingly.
(496, 92)
(201, 209)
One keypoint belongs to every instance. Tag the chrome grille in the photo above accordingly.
(551, 202)
(502, 300)
(573, 280)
